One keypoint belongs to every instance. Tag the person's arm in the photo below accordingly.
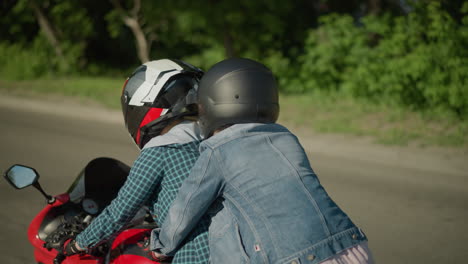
(145, 176)
(199, 190)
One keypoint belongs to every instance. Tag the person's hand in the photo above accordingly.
(70, 247)
(160, 257)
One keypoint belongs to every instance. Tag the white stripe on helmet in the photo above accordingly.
(153, 93)
(163, 65)
(149, 89)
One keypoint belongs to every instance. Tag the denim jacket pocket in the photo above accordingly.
(241, 244)
(226, 247)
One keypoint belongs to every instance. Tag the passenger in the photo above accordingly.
(269, 204)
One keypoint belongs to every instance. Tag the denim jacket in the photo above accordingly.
(270, 206)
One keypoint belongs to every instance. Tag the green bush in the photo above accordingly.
(19, 62)
(37, 60)
(207, 57)
(331, 53)
(25, 52)
(419, 60)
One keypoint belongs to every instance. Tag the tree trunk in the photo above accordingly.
(130, 19)
(228, 45)
(140, 38)
(374, 6)
(48, 30)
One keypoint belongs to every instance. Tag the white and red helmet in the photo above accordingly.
(156, 93)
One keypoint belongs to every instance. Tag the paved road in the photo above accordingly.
(411, 214)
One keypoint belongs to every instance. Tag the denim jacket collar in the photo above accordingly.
(240, 130)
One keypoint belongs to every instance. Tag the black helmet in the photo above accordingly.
(237, 91)
(156, 93)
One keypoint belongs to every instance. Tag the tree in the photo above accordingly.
(45, 25)
(133, 18)
(48, 30)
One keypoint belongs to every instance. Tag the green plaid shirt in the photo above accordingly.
(154, 181)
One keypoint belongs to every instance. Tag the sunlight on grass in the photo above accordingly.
(332, 113)
(388, 125)
(103, 90)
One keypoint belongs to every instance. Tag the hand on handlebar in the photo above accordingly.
(145, 245)
(70, 247)
(67, 248)
(160, 257)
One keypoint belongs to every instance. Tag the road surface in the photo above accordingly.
(412, 205)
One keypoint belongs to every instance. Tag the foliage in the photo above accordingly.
(32, 55)
(393, 54)
(331, 53)
(419, 60)
(19, 62)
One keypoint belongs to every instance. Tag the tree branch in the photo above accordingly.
(131, 21)
(47, 29)
(117, 5)
(136, 8)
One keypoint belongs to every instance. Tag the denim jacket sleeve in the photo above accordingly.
(199, 190)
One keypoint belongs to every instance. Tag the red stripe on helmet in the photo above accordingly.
(125, 84)
(152, 114)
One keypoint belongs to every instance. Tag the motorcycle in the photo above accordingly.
(67, 214)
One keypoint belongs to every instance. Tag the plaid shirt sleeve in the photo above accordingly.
(145, 176)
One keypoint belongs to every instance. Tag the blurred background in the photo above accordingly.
(396, 70)
(376, 90)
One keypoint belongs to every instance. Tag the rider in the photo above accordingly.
(160, 114)
(275, 209)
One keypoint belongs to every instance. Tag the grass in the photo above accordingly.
(319, 113)
(102, 90)
(385, 124)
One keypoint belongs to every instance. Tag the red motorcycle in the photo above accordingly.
(66, 215)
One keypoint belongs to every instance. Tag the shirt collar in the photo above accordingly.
(182, 133)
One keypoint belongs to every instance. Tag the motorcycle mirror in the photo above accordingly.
(20, 176)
